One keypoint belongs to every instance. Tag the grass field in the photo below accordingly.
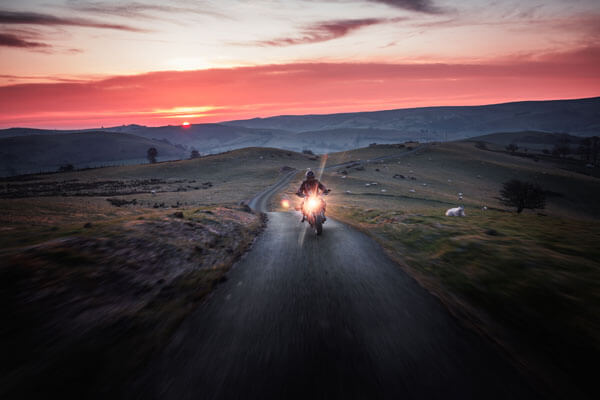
(93, 260)
(530, 280)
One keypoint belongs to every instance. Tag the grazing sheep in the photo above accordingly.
(484, 208)
(153, 192)
(412, 190)
(456, 212)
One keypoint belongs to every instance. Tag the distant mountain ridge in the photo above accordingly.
(579, 117)
(338, 132)
(49, 151)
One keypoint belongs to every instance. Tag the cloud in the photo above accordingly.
(324, 31)
(135, 9)
(29, 18)
(423, 6)
(299, 88)
(11, 40)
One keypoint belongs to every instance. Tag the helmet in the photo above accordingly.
(310, 174)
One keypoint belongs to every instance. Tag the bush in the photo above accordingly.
(309, 152)
(152, 154)
(66, 168)
(519, 194)
(195, 154)
(512, 148)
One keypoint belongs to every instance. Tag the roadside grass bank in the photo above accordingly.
(530, 282)
(84, 310)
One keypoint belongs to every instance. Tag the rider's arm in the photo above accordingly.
(300, 192)
(322, 187)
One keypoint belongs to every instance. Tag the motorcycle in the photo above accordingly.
(313, 210)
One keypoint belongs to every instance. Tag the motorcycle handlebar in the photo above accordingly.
(302, 194)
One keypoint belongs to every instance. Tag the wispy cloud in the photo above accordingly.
(298, 88)
(29, 18)
(324, 31)
(134, 9)
(12, 40)
(423, 6)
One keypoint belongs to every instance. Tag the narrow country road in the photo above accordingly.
(327, 317)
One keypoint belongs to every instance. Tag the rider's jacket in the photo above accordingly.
(311, 186)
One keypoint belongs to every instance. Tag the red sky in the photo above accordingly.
(59, 72)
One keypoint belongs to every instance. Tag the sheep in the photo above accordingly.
(153, 192)
(456, 212)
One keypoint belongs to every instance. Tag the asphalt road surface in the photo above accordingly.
(327, 317)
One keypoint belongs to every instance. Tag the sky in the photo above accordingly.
(87, 64)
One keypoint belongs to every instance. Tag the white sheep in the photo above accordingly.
(153, 192)
(456, 212)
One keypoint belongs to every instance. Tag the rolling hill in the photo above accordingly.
(579, 117)
(521, 122)
(531, 140)
(48, 151)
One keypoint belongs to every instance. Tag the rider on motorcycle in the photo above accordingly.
(311, 185)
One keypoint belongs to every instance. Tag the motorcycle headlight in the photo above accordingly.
(312, 203)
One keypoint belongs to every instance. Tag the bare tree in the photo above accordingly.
(512, 148)
(519, 194)
(561, 150)
(195, 154)
(152, 154)
(589, 149)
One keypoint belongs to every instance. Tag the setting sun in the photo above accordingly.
(185, 124)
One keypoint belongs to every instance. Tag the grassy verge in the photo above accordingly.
(529, 281)
(532, 282)
(85, 309)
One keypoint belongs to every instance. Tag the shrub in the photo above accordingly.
(519, 194)
(152, 154)
(66, 168)
(512, 148)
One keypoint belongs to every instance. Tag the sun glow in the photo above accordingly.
(185, 124)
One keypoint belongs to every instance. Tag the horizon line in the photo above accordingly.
(318, 114)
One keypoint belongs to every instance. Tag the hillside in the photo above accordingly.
(340, 132)
(47, 152)
(529, 139)
(579, 117)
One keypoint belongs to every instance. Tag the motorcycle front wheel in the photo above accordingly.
(319, 224)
